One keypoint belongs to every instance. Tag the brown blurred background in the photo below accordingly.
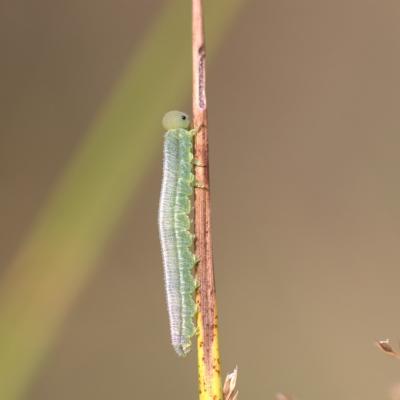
(304, 122)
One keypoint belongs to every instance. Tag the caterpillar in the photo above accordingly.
(174, 228)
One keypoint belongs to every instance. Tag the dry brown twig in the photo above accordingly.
(209, 365)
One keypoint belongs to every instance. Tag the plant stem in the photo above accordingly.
(209, 366)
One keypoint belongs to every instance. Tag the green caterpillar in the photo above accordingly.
(174, 227)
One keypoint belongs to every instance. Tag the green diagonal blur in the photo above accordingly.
(60, 252)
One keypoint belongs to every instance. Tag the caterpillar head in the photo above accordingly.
(175, 120)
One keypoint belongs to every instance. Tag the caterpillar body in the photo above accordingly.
(174, 228)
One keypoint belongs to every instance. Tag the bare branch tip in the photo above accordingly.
(229, 389)
(386, 347)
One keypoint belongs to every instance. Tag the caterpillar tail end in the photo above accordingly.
(182, 349)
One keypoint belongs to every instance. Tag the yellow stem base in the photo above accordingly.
(209, 364)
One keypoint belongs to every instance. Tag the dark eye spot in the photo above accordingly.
(183, 117)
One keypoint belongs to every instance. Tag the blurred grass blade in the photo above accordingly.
(59, 253)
